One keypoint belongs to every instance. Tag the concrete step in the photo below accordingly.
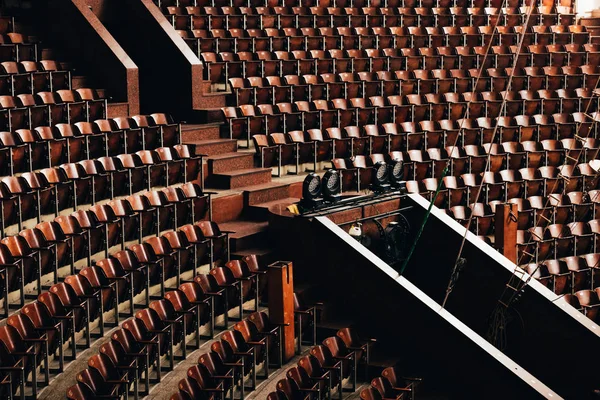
(248, 234)
(196, 132)
(260, 212)
(117, 110)
(229, 162)
(266, 192)
(239, 178)
(214, 146)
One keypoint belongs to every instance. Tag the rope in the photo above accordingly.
(456, 267)
(460, 132)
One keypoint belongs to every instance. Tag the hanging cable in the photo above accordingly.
(447, 168)
(458, 265)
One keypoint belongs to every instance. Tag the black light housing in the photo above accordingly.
(331, 186)
(381, 177)
(311, 191)
(396, 176)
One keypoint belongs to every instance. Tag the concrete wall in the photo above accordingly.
(551, 339)
(170, 73)
(408, 325)
(84, 39)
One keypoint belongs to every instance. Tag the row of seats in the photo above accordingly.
(503, 185)
(563, 10)
(399, 62)
(253, 342)
(47, 147)
(51, 245)
(392, 384)
(167, 323)
(536, 196)
(419, 78)
(373, 17)
(33, 77)
(18, 47)
(536, 91)
(314, 145)
(325, 367)
(306, 39)
(586, 301)
(52, 190)
(567, 275)
(28, 111)
(84, 297)
(539, 244)
(413, 114)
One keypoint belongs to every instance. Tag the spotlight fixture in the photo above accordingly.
(396, 168)
(311, 192)
(331, 186)
(381, 177)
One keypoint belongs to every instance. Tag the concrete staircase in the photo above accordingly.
(244, 192)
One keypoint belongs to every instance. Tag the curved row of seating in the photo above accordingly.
(33, 77)
(218, 17)
(326, 367)
(82, 298)
(391, 53)
(391, 385)
(164, 4)
(157, 330)
(52, 190)
(51, 245)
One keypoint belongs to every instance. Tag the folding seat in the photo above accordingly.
(589, 302)
(582, 208)
(498, 79)
(558, 276)
(493, 104)
(584, 243)
(487, 128)
(553, 182)
(425, 82)
(66, 106)
(591, 74)
(554, 126)
(383, 113)
(534, 182)
(330, 113)
(590, 146)
(360, 60)
(59, 78)
(584, 125)
(371, 86)
(562, 207)
(352, 86)
(12, 116)
(573, 150)
(16, 189)
(587, 100)
(592, 51)
(588, 172)
(335, 88)
(96, 106)
(408, 84)
(414, 137)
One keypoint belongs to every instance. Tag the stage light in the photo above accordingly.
(311, 191)
(396, 172)
(331, 186)
(380, 180)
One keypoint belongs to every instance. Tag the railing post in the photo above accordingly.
(281, 304)
(507, 218)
